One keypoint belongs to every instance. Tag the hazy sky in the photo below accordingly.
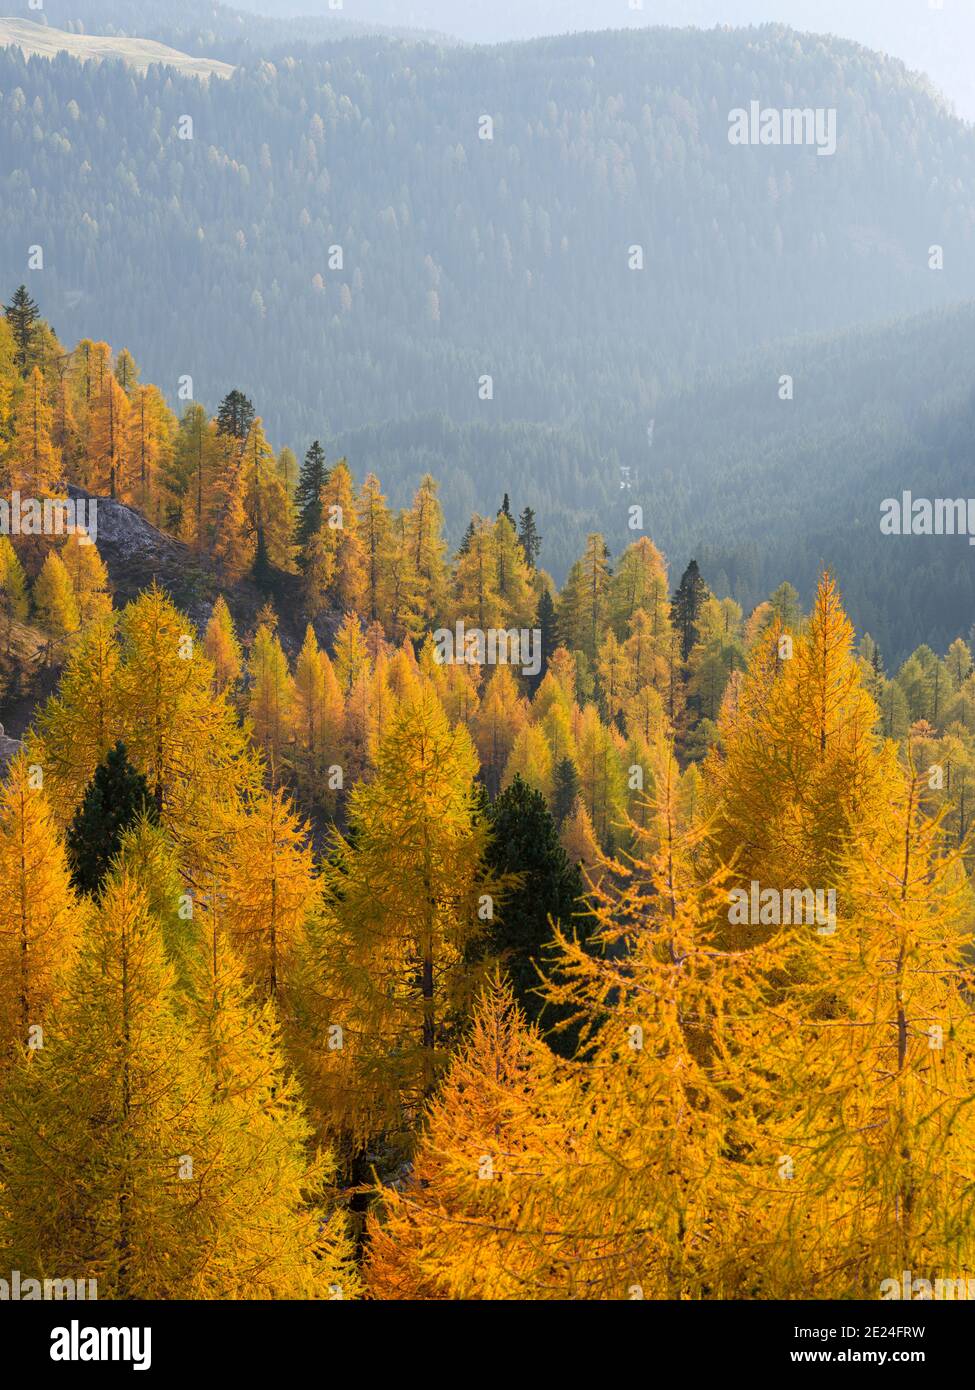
(937, 36)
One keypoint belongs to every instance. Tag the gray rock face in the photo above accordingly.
(138, 553)
(9, 748)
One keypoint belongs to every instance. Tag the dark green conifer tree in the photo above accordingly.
(22, 313)
(308, 494)
(531, 541)
(686, 607)
(525, 842)
(116, 798)
(236, 415)
(565, 790)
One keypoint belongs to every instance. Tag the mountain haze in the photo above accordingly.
(337, 241)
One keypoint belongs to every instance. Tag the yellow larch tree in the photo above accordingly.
(317, 723)
(358, 728)
(267, 888)
(870, 1145)
(579, 839)
(557, 728)
(222, 647)
(14, 601)
(491, 1134)
(9, 374)
(617, 681)
(649, 1203)
(270, 697)
(800, 761)
(335, 561)
(500, 717)
(79, 723)
(194, 1189)
(640, 586)
(375, 532)
(234, 540)
(108, 460)
(54, 602)
(40, 918)
(89, 368)
(89, 578)
(151, 433)
(32, 464)
(519, 602)
(269, 508)
(531, 760)
(648, 648)
(383, 981)
(475, 599)
(423, 564)
(280, 1234)
(601, 775)
(460, 694)
(198, 456)
(184, 738)
(350, 655)
(644, 716)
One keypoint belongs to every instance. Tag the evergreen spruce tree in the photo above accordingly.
(466, 538)
(22, 314)
(235, 415)
(308, 494)
(116, 798)
(525, 843)
(686, 607)
(565, 791)
(546, 620)
(531, 541)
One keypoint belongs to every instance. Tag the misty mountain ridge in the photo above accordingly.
(338, 240)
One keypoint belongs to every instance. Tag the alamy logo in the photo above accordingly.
(770, 125)
(77, 1343)
(947, 1290)
(15, 1289)
(756, 906)
(49, 516)
(923, 516)
(471, 646)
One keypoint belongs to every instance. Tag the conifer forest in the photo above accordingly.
(487, 662)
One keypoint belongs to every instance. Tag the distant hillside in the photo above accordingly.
(338, 242)
(761, 489)
(232, 31)
(937, 38)
(756, 488)
(461, 257)
(40, 40)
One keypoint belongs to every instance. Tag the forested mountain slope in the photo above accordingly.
(337, 240)
(464, 257)
(756, 487)
(935, 38)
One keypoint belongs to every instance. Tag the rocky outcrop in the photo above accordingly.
(138, 554)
